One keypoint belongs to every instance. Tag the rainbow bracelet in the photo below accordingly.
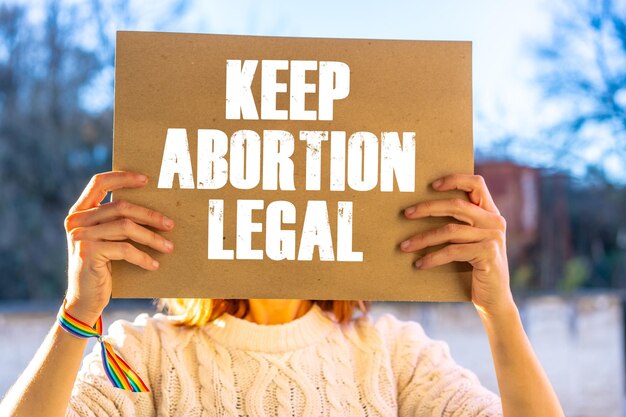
(118, 371)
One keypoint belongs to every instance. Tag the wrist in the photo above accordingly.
(79, 312)
(504, 326)
(504, 313)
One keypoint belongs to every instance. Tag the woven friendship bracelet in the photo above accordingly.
(116, 369)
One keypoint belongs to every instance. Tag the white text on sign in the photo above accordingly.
(247, 159)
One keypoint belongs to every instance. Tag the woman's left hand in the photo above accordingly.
(479, 239)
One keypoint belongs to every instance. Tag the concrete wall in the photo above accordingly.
(579, 340)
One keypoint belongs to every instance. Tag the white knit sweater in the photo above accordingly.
(311, 366)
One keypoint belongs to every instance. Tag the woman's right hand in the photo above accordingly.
(95, 235)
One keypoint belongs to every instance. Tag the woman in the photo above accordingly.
(280, 357)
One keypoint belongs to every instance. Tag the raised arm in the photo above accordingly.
(94, 235)
(480, 240)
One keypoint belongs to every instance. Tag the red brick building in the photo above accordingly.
(534, 203)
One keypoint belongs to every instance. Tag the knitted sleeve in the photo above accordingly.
(94, 395)
(429, 382)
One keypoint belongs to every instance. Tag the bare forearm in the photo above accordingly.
(524, 386)
(45, 386)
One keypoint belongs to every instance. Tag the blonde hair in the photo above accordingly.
(200, 311)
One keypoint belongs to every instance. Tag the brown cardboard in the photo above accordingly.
(170, 80)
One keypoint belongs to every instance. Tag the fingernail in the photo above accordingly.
(409, 211)
(405, 244)
(418, 263)
(143, 178)
(168, 222)
(168, 244)
(155, 264)
(437, 183)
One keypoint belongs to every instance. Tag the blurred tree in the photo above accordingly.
(56, 90)
(583, 74)
(582, 71)
(598, 231)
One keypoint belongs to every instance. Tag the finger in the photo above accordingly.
(116, 210)
(117, 251)
(121, 230)
(475, 253)
(101, 184)
(461, 210)
(450, 233)
(474, 185)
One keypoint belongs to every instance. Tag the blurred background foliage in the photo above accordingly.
(56, 117)
(56, 91)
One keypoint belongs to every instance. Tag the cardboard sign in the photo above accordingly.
(286, 162)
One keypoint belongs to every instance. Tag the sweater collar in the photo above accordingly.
(238, 333)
